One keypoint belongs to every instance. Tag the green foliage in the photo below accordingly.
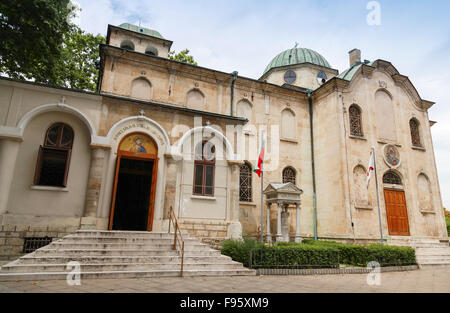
(77, 68)
(315, 254)
(361, 255)
(447, 220)
(31, 35)
(182, 56)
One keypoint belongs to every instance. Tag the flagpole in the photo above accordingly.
(378, 195)
(262, 207)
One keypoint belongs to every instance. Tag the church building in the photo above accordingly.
(161, 134)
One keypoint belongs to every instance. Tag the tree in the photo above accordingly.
(31, 36)
(77, 69)
(182, 56)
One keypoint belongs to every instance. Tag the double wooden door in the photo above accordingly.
(396, 212)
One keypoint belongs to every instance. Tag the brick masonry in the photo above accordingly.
(12, 237)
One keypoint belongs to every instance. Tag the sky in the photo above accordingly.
(244, 36)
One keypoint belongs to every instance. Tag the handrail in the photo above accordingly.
(177, 232)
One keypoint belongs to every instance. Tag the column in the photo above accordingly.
(268, 234)
(298, 238)
(9, 149)
(234, 230)
(89, 219)
(279, 234)
(172, 166)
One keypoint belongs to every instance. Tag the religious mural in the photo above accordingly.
(138, 143)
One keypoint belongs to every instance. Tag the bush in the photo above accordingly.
(315, 254)
(362, 255)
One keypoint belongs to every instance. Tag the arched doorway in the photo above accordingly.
(396, 210)
(133, 197)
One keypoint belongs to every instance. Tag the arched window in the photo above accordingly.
(53, 161)
(204, 166)
(245, 183)
(288, 124)
(195, 100)
(127, 44)
(355, 121)
(415, 132)
(289, 175)
(392, 178)
(141, 89)
(244, 109)
(151, 51)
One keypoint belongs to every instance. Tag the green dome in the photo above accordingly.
(141, 30)
(298, 56)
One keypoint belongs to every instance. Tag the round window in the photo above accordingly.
(321, 78)
(290, 77)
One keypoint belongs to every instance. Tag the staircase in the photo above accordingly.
(119, 254)
(429, 252)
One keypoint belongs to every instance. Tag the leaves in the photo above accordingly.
(39, 43)
(182, 56)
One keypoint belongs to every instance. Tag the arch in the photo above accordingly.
(60, 107)
(288, 124)
(195, 99)
(424, 192)
(138, 142)
(355, 120)
(244, 109)
(245, 183)
(392, 178)
(385, 115)
(360, 191)
(208, 130)
(414, 127)
(150, 50)
(289, 174)
(141, 88)
(165, 136)
(127, 44)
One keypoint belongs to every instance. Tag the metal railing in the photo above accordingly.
(178, 237)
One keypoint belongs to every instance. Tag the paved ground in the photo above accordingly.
(436, 279)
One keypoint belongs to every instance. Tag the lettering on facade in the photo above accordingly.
(140, 127)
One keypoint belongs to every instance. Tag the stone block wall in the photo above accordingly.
(12, 237)
(205, 229)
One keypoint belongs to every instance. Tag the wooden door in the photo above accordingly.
(396, 212)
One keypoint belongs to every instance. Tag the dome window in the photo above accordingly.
(290, 77)
(151, 51)
(127, 44)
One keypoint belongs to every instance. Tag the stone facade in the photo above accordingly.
(180, 105)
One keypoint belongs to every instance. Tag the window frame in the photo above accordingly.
(283, 175)
(204, 163)
(249, 186)
(351, 121)
(417, 129)
(49, 146)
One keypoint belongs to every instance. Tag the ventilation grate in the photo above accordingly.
(33, 243)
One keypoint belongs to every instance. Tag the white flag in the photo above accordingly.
(371, 167)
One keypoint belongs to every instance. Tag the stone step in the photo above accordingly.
(38, 276)
(425, 252)
(96, 267)
(129, 234)
(122, 259)
(432, 257)
(122, 252)
(126, 246)
(125, 240)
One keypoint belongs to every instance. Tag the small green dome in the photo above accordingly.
(141, 30)
(297, 56)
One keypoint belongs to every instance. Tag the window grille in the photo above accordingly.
(31, 244)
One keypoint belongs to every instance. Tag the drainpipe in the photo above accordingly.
(310, 101)
(235, 75)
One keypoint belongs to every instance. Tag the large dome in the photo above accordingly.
(297, 56)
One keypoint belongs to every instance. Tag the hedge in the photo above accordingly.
(315, 254)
